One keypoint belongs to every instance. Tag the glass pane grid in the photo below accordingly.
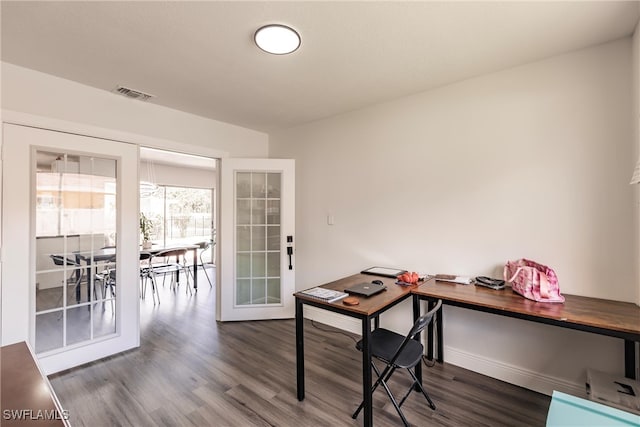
(75, 209)
(257, 238)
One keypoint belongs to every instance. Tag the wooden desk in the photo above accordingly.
(26, 395)
(604, 317)
(368, 309)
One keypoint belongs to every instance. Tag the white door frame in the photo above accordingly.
(19, 251)
(31, 120)
(226, 309)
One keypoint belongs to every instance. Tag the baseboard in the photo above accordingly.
(495, 369)
(511, 374)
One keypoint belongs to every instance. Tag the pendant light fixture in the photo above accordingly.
(149, 186)
(277, 39)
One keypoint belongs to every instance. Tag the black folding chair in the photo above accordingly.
(397, 351)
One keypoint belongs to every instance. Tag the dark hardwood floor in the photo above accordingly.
(192, 371)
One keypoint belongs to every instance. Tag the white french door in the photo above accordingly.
(64, 197)
(257, 221)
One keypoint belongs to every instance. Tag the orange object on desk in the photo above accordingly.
(351, 301)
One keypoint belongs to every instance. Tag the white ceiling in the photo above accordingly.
(199, 57)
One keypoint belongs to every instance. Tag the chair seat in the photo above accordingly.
(385, 343)
(166, 268)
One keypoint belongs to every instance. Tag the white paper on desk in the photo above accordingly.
(462, 280)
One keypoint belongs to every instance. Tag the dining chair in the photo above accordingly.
(204, 247)
(397, 351)
(160, 263)
(106, 277)
(60, 260)
(145, 275)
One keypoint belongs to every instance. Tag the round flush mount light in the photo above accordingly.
(277, 39)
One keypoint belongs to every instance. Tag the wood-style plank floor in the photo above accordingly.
(192, 371)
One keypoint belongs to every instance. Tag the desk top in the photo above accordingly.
(26, 390)
(368, 305)
(618, 316)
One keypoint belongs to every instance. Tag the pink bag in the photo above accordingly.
(533, 281)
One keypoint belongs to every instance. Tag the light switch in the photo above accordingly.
(330, 219)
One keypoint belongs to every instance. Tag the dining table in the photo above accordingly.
(108, 254)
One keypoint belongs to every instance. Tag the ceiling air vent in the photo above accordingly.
(132, 93)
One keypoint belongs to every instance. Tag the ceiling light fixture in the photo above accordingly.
(277, 39)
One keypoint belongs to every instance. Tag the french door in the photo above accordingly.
(257, 239)
(65, 197)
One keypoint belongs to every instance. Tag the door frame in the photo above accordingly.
(81, 129)
(19, 279)
(226, 309)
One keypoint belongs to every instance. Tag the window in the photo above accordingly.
(179, 214)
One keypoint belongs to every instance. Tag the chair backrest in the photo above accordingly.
(204, 245)
(168, 253)
(419, 325)
(423, 321)
(171, 252)
(60, 260)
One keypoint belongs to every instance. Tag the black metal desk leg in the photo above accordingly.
(430, 305)
(439, 318)
(630, 359)
(300, 349)
(366, 372)
(416, 315)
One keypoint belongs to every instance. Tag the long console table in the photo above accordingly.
(26, 397)
(599, 316)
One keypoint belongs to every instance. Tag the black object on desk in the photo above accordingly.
(489, 282)
(384, 272)
(366, 289)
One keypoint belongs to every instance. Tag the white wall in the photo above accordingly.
(28, 91)
(178, 176)
(530, 162)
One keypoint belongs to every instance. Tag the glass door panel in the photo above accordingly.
(258, 253)
(75, 217)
